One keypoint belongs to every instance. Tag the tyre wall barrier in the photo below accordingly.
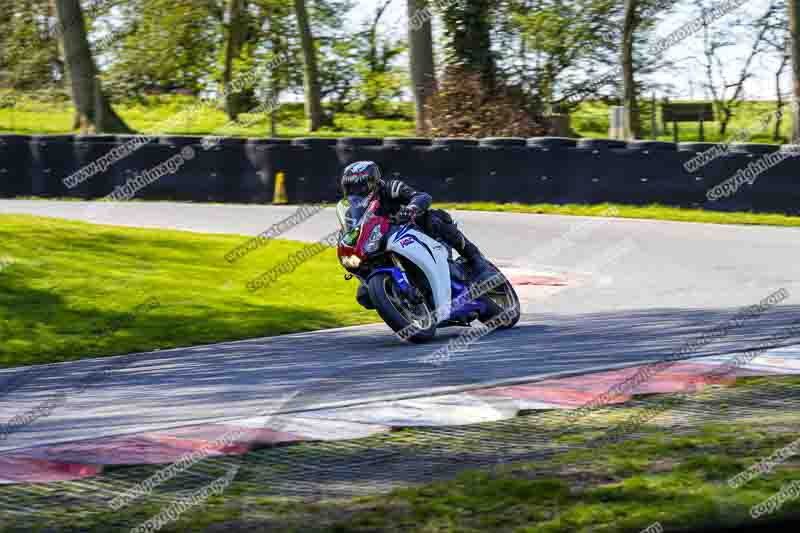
(580, 175)
(415, 161)
(449, 170)
(511, 171)
(640, 176)
(15, 162)
(196, 178)
(52, 161)
(543, 169)
(257, 182)
(142, 153)
(216, 170)
(88, 149)
(706, 176)
(231, 165)
(313, 177)
(777, 189)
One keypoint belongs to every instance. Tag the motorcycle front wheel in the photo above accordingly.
(414, 322)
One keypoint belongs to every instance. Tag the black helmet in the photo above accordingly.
(360, 178)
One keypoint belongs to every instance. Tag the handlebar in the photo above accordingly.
(393, 219)
(413, 221)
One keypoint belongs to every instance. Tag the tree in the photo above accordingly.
(421, 63)
(794, 31)
(474, 97)
(629, 83)
(85, 86)
(779, 101)
(728, 94)
(165, 46)
(233, 45)
(778, 40)
(560, 45)
(29, 55)
(464, 105)
(313, 98)
(468, 27)
(278, 23)
(340, 51)
(380, 82)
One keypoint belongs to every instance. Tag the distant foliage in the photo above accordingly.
(465, 106)
(29, 58)
(165, 46)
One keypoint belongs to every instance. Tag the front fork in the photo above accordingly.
(400, 280)
(413, 293)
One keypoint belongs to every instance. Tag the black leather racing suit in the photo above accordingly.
(396, 194)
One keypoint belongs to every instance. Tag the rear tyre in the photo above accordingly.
(413, 322)
(502, 301)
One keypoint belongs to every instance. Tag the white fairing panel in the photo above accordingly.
(431, 256)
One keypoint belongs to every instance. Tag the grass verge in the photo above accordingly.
(71, 290)
(674, 473)
(167, 115)
(32, 114)
(649, 212)
(591, 119)
(645, 212)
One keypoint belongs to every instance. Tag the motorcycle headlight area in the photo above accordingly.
(351, 261)
(351, 237)
(374, 240)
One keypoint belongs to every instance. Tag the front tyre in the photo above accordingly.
(414, 322)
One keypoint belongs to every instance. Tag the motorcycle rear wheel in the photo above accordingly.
(501, 300)
(413, 322)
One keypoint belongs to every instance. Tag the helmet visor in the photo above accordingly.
(355, 187)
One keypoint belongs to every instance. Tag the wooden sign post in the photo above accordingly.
(676, 113)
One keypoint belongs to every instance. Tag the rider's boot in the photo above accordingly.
(477, 262)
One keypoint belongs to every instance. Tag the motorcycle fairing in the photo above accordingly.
(464, 310)
(398, 276)
(431, 257)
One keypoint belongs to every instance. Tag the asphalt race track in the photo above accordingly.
(636, 291)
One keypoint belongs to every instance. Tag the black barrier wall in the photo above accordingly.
(52, 160)
(89, 149)
(257, 182)
(15, 162)
(545, 169)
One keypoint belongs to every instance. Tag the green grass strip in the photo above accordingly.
(69, 290)
(649, 212)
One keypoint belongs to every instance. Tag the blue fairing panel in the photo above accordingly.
(398, 276)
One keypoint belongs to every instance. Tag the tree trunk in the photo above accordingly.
(274, 79)
(794, 31)
(233, 46)
(62, 68)
(469, 29)
(776, 133)
(629, 91)
(727, 114)
(87, 92)
(313, 100)
(423, 75)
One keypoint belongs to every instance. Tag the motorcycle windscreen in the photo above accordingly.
(342, 210)
(355, 209)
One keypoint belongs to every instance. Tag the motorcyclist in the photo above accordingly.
(398, 199)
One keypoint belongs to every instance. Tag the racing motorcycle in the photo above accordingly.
(412, 280)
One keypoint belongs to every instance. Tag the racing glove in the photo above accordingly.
(407, 214)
